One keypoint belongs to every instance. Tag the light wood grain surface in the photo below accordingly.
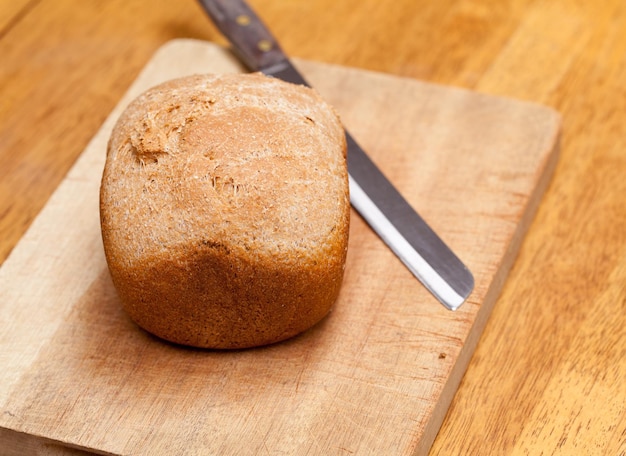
(377, 376)
(547, 376)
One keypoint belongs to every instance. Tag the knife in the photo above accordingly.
(371, 193)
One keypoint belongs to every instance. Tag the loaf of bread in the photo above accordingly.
(225, 210)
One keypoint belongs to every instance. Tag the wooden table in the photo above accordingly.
(548, 374)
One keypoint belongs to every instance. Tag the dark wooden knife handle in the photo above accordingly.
(250, 38)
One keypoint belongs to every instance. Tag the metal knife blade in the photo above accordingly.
(371, 193)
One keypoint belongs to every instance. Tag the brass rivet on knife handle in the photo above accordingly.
(264, 45)
(243, 20)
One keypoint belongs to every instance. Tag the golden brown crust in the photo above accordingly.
(225, 210)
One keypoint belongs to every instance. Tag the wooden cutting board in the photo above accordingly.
(375, 377)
